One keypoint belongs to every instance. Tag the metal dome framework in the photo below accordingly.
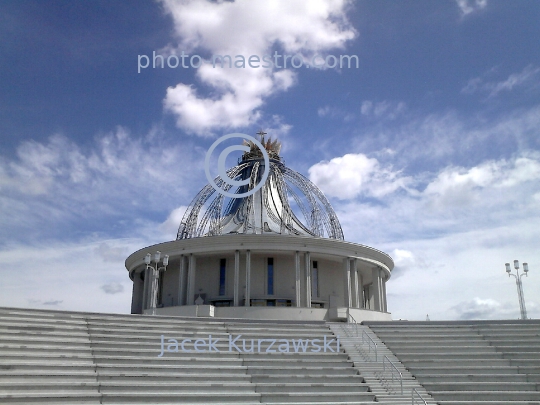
(288, 203)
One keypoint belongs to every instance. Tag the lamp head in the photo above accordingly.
(165, 260)
(147, 258)
(508, 270)
(516, 264)
(525, 267)
(157, 256)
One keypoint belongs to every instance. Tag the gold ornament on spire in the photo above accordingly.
(273, 147)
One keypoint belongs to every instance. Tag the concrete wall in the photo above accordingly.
(307, 314)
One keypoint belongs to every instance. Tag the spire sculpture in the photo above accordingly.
(288, 203)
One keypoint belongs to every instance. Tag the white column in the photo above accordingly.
(297, 279)
(347, 279)
(181, 281)
(236, 276)
(385, 309)
(154, 289)
(361, 289)
(146, 287)
(356, 299)
(376, 289)
(137, 294)
(190, 299)
(248, 278)
(307, 265)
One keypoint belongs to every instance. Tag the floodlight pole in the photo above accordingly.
(519, 285)
(154, 281)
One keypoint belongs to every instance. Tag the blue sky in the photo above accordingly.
(429, 150)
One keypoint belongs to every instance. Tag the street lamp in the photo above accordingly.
(156, 268)
(518, 276)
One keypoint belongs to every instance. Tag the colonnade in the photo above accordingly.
(354, 286)
(353, 283)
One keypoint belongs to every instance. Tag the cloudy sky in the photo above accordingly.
(427, 145)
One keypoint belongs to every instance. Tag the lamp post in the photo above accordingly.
(519, 286)
(155, 269)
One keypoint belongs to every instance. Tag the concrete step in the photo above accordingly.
(143, 388)
(171, 375)
(414, 363)
(494, 378)
(319, 397)
(47, 397)
(437, 369)
(518, 355)
(442, 356)
(14, 387)
(258, 370)
(181, 397)
(306, 378)
(481, 386)
(487, 396)
(436, 348)
(310, 388)
(503, 345)
(467, 402)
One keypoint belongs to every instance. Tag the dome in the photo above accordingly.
(287, 203)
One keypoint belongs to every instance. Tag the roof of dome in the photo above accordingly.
(288, 203)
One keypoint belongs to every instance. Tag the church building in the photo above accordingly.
(264, 243)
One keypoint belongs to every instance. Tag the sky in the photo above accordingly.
(427, 144)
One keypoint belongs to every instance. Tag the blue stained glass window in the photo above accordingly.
(222, 270)
(270, 275)
(315, 280)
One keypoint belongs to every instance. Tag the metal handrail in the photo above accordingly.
(370, 341)
(349, 319)
(413, 402)
(395, 368)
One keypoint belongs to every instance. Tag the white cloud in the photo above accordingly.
(457, 186)
(383, 109)
(405, 260)
(59, 185)
(324, 111)
(450, 240)
(69, 276)
(352, 175)
(219, 28)
(111, 253)
(333, 112)
(459, 269)
(528, 78)
(471, 6)
(171, 224)
(479, 309)
(112, 288)
(53, 302)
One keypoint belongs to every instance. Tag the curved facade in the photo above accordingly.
(261, 256)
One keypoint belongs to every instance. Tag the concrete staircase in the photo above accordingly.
(53, 357)
(384, 380)
(469, 362)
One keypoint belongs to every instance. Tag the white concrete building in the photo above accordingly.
(278, 253)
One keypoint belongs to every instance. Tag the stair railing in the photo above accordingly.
(350, 319)
(392, 368)
(369, 340)
(413, 401)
